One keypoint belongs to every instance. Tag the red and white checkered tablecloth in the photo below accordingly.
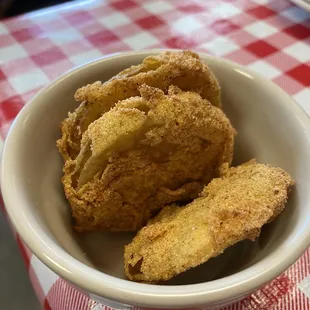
(269, 36)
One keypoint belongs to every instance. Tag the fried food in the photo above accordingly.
(143, 154)
(182, 69)
(231, 208)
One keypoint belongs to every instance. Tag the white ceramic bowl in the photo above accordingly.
(271, 128)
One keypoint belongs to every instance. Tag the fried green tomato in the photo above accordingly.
(143, 154)
(230, 209)
(182, 69)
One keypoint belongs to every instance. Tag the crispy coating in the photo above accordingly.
(182, 69)
(145, 153)
(231, 208)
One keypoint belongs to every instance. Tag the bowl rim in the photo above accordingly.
(125, 291)
(302, 4)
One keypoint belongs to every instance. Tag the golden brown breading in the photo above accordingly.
(231, 208)
(145, 153)
(183, 69)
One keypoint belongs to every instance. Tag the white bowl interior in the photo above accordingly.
(267, 128)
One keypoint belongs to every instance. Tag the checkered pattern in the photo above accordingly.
(269, 36)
